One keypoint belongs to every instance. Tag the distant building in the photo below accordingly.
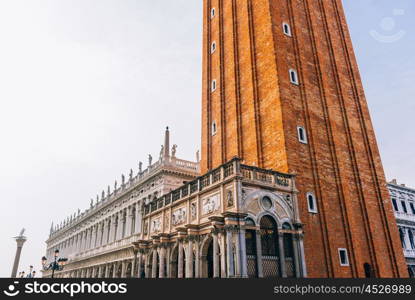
(403, 201)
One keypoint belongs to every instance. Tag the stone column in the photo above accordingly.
(20, 240)
(216, 266)
(154, 264)
(114, 271)
(162, 261)
(140, 265)
(133, 265)
(128, 222)
(107, 271)
(138, 218)
(222, 254)
(282, 255)
(123, 269)
(93, 236)
(98, 235)
(242, 251)
(296, 257)
(119, 228)
(112, 228)
(229, 253)
(259, 254)
(180, 260)
(189, 260)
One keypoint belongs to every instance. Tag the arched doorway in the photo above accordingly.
(270, 248)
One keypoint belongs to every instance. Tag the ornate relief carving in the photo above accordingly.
(179, 216)
(210, 204)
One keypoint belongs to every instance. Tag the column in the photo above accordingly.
(118, 235)
(222, 254)
(114, 271)
(162, 261)
(107, 271)
(98, 235)
(197, 258)
(128, 222)
(93, 236)
(229, 253)
(242, 251)
(140, 264)
(154, 264)
(259, 254)
(296, 256)
(216, 267)
(112, 228)
(103, 239)
(282, 255)
(168, 262)
(133, 265)
(180, 260)
(123, 269)
(189, 260)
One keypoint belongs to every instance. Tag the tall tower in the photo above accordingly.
(282, 90)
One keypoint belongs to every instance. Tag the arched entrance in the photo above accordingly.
(111, 271)
(174, 263)
(270, 248)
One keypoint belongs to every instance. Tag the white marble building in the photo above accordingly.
(403, 201)
(235, 221)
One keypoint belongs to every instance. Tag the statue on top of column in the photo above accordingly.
(174, 151)
(140, 167)
(131, 174)
(150, 160)
(161, 153)
(197, 156)
(122, 179)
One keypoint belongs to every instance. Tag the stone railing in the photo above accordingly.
(217, 176)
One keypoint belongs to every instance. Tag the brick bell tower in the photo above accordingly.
(282, 90)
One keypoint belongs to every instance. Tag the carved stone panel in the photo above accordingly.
(210, 204)
(179, 216)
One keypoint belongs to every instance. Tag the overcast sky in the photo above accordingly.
(88, 86)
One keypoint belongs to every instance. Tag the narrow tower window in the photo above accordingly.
(214, 85)
(287, 29)
(212, 13)
(312, 203)
(294, 77)
(344, 257)
(302, 135)
(213, 47)
(214, 128)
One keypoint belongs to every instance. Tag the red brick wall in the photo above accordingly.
(257, 111)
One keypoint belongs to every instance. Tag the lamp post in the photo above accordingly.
(56, 265)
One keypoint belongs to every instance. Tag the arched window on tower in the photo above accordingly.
(312, 203)
(287, 29)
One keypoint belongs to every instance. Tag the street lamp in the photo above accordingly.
(56, 265)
